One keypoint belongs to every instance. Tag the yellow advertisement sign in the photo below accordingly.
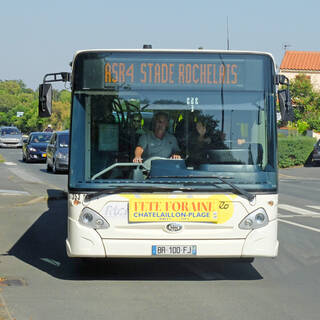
(213, 209)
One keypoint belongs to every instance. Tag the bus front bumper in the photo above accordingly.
(86, 242)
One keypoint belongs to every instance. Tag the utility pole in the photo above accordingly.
(228, 42)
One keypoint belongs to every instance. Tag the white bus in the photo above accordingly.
(218, 200)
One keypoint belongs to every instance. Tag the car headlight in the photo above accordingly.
(92, 219)
(32, 149)
(61, 155)
(256, 219)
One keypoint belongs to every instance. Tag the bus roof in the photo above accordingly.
(178, 51)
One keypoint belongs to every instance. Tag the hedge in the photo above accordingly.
(294, 150)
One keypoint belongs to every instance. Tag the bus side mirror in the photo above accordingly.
(286, 109)
(45, 100)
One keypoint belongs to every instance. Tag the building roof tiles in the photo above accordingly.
(301, 60)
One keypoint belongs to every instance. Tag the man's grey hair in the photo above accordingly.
(161, 113)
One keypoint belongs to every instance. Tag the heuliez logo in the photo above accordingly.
(174, 227)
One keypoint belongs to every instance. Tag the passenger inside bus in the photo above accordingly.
(199, 143)
(158, 143)
(137, 124)
(137, 129)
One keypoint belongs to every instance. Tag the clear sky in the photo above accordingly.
(39, 36)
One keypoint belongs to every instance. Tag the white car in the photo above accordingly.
(10, 137)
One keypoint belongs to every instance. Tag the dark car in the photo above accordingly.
(35, 148)
(10, 137)
(58, 152)
(316, 153)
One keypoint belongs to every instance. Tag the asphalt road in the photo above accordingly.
(40, 282)
(36, 172)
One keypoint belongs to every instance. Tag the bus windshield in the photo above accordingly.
(219, 119)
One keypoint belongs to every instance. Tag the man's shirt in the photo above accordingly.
(153, 146)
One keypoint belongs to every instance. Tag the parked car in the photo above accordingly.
(10, 137)
(35, 148)
(58, 152)
(316, 153)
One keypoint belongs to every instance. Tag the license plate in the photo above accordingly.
(44, 155)
(174, 250)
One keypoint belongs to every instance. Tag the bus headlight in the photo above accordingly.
(92, 219)
(256, 219)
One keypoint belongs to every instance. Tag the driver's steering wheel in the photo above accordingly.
(147, 163)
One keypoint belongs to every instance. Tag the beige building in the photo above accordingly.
(306, 62)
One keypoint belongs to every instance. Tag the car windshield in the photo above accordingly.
(63, 141)
(40, 138)
(10, 131)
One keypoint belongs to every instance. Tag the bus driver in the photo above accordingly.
(158, 143)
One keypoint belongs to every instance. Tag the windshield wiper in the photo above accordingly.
(147, 188)
(245, 193)
(249, 196)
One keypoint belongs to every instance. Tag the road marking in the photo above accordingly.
(51, 261)
(287, 178)
(297, 210)
(10, 163)
(22, 174)
(299, 225)
(32, 201)
(4, 312)
(286, 215)
(314, 207)
(13, 192)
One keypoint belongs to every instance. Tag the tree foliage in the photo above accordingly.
(15, 97)
(306, 101)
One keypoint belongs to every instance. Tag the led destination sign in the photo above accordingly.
(164, 73)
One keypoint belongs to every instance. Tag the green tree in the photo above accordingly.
(65, 96)
(306, 101)
(9, 92)
(15, 97)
